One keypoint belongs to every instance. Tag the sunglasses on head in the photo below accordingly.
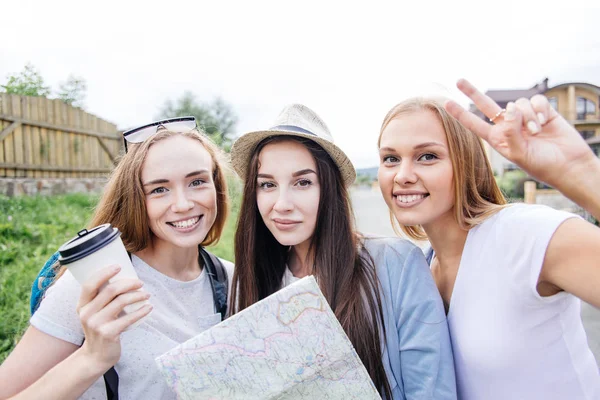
(142, 133)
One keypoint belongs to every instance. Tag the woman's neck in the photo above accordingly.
(447, 239)
(176, 262)
(300, 260)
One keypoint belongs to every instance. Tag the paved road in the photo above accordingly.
(372, 217)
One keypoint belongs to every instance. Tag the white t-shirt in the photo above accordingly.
(288, 277)
(181, 310)
(508, 341)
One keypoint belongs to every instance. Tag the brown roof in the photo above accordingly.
(504, 96)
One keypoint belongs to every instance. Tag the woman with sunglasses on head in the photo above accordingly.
(510, 275)
(296, 220)
(168, 197)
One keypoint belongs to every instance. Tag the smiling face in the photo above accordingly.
(181, 200)
(288, 192)
(415, 171)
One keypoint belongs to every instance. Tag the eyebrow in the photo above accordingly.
(303, 172)
(157, 181)
(295, 174)
(428, 144)
(199, 172)
(419, 146)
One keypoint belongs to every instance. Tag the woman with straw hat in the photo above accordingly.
(296, 220)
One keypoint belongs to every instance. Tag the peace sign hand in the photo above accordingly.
(529, 132)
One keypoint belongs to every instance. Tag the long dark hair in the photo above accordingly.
(345, 272)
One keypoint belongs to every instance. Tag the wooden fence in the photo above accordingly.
(44, 138)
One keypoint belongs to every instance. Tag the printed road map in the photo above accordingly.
(287, 346)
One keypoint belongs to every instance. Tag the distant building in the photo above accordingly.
(577, 102)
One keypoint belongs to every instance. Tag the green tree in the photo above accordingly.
(364, 180)
(28, 82)
(73, 91)
(216, 118)
(512, 184)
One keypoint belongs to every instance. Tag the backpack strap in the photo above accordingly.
(218, 280)
(111, 381)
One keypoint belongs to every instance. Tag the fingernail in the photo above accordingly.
(533, 128)
(541, 118)
(509, 115)
(116, 268)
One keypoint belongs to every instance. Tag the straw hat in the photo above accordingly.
(295, 120)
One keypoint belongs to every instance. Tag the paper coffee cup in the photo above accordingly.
(97, 248)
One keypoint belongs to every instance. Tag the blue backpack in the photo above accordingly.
(43, 280)
(218, 282)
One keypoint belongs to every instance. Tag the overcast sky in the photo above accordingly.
(349, 61)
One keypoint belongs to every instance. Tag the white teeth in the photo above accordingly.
(409, 198)
(186, 223)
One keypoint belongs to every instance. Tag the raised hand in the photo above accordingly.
(100, 306)
(530, 133)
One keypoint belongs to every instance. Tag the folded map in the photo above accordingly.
(287, 346)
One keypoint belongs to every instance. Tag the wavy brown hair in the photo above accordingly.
(123, 202)
(476, 193)
(343, 268)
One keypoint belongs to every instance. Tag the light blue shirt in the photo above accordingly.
(417, 354)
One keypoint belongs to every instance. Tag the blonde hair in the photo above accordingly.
(476, 193)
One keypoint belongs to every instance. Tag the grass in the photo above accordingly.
(31, 230)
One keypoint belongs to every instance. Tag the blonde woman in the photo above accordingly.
(510, 275)
(168, 197)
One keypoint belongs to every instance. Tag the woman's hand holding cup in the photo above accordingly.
(100, 309)
(84, 255)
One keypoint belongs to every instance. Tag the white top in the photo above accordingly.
(508, 341)
(181, 311)
(288, 277)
